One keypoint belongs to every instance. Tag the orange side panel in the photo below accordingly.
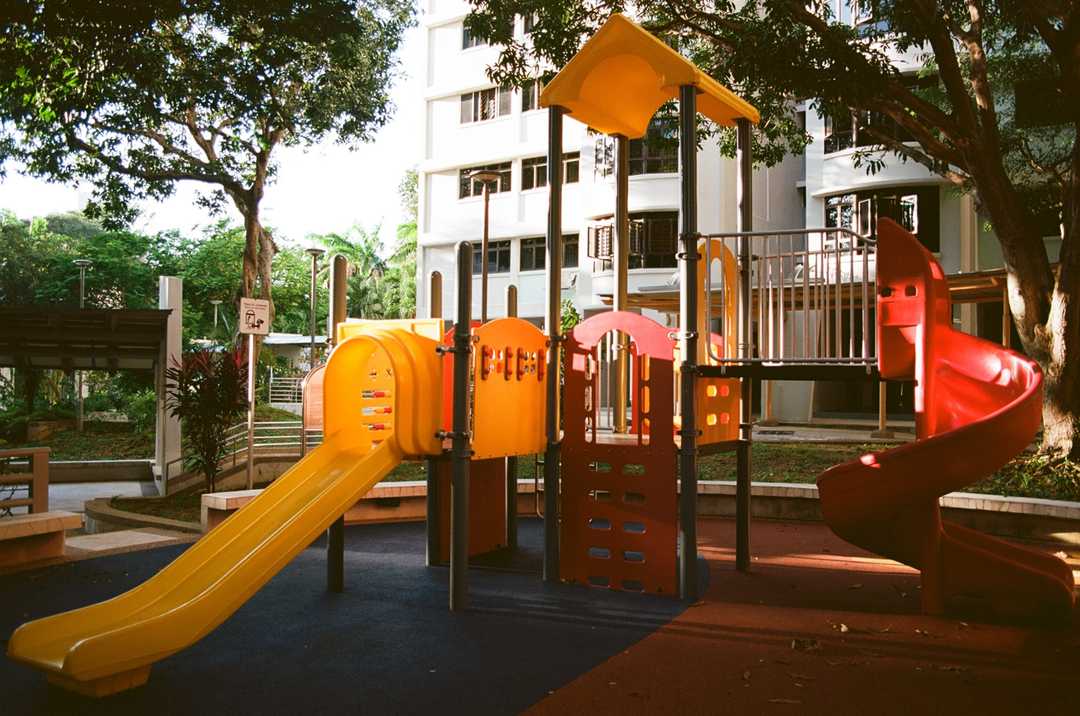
(487, 506)
(509, 385)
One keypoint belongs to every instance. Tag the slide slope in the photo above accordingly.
(110, 646)
(977, 405)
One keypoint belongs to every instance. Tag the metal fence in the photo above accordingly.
(286, 438)
(286, 389)
(811, 292)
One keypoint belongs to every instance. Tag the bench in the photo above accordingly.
(34, 537)
(36, 480)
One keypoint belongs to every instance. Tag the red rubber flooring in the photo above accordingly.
(819, 626)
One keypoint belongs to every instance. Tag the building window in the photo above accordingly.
(498, 257)
(469, 187)
(530, 95)
(917, 209)
(839, 134)
(603, 156)
(570, 250)
(529, 22)
(485, 104)
(653, 240)
(532, 254)
(469, 39)
(534, 170)
(658, 151)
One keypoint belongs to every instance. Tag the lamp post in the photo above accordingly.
(215, 302)
(314, 253)
(83, 264)
(485, 177)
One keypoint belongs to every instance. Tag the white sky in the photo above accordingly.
(319, 189)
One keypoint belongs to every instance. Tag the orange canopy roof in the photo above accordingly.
(623, 74)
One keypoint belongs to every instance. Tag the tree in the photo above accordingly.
(400, 286)
(967, 116)
(134, 96)
(206, 391)
(366, 268)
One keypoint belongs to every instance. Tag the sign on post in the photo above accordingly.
(254, 321)
(254, 316)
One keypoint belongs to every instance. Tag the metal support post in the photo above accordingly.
(512, 461)
(688, 345)
(621, 275)
(882, 427)
(250, 467)
(432, 463)
(554, 309)
(335, 536)
(459, 510)
(744, 196)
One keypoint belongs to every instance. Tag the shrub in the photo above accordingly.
(141, 410)
(206, 391)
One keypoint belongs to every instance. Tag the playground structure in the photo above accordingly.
(793, 305)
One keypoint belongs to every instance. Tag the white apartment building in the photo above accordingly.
(471, 124)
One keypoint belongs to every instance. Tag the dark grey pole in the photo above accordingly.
(688, 308)
(335, 536)
(554, 289)
(744, 196)
(512, 461)
(459, 512)
(621, 274)
(432, 463)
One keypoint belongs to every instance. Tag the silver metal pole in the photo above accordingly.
(251, 411)
(82, 264)
(744, 192)
(554, 293)
(688, 313)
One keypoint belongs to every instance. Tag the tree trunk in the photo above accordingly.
(1045, 308)
(1061, 412)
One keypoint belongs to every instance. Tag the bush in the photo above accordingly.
(141, 410)
(207, 393)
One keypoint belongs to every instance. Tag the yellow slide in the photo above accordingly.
(381, 404)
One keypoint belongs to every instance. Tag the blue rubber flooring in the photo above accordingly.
(388, 644)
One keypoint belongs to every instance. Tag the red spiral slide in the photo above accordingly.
(977, 405)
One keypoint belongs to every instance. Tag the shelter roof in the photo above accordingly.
(66, 338)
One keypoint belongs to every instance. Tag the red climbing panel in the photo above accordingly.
(618, 499)
(976, 406)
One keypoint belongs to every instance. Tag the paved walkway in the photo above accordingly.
(70, 496)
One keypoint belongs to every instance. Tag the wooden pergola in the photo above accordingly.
(81, 339)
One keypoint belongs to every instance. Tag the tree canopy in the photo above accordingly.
(133, 96)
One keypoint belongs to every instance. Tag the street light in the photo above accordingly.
(215, 302)
(83, 264)
(314, 253)
(485, 177)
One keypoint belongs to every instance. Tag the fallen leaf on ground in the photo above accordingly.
(805, 644)
(855, 586)
(785, 701)
(801, 677)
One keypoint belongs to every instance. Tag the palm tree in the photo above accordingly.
(367, 269)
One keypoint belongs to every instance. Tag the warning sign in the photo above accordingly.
(254, 316)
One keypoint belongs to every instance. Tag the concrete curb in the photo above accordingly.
(103, 517)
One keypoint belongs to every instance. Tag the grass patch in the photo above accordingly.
(184, 505)
(97, 441)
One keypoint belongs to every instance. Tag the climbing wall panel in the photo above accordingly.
(618, 496)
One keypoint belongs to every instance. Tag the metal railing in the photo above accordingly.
(286, 389)
(280, 438)
(809, 299)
